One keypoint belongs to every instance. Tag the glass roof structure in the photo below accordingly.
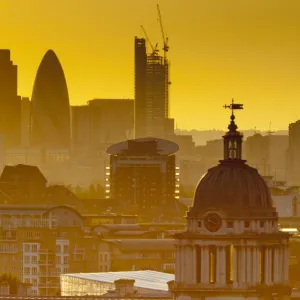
(145, 279)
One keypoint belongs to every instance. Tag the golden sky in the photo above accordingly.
(219, 49)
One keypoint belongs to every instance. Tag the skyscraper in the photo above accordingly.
(10, 102)
(293, 154)
(102, 121)
(25, 121)
(151, 93)
(50, 111)
(140, 71)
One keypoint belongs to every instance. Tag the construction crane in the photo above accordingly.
(154, 49)
(165, 39)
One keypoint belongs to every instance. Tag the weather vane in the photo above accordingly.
(234, 106)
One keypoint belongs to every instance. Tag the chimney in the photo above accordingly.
(124, 287)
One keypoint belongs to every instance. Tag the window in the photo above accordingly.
(199, 224)
(66, 248)
(27, 259)
(58, 260)
(26, 248)
(229, 224)
(34, 271)
(247, 224)
(66, 260)
(34, 248)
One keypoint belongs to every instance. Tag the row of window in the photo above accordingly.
(229, 224)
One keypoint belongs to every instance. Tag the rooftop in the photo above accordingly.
(143, 279)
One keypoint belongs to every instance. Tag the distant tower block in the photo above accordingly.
(50, 111)
(232, 248)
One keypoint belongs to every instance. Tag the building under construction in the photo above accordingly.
(152, 89)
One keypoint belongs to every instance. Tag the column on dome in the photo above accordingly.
(235, 265)
(255, 265)
(261, 258)
(177, 263)
(242, 264)
(195, 262)
(212, 252)
(188, 273)
(271, 266)
(182, 262)
(229, 265)
(221, 265)
(224, 265)
(218, 262)
(267, 265)
(199, 263)
(280, 264)
(249, 260)
(276, 264)
(204, 264)
(285, 263)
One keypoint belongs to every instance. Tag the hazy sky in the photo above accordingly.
(246, 49)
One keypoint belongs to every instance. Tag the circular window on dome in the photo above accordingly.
(212, 222)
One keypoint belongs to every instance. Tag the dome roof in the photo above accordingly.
(232, 185)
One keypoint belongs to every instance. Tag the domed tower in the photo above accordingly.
(232, 247)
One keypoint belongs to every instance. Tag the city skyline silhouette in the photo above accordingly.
(217, 51)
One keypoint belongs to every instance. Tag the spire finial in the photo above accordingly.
(233, 138)
(233, 106)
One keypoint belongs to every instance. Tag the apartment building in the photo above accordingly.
(39, 243)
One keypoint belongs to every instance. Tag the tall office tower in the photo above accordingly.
(142, 173)
(293, 156)
(10, 102)
(80, 127)
(50, 110)
(111, 120)
(140, 109)
(151, 93)
(25, 121)
(102, 121)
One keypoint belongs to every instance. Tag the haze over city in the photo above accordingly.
(248, 50)
(149, 151)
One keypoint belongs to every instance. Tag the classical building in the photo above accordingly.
(232, 247)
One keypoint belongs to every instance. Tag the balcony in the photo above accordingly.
(49, 274)
(8, 238)
(45, 262)
(45, 251)
(49, 285)
(9, 250)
